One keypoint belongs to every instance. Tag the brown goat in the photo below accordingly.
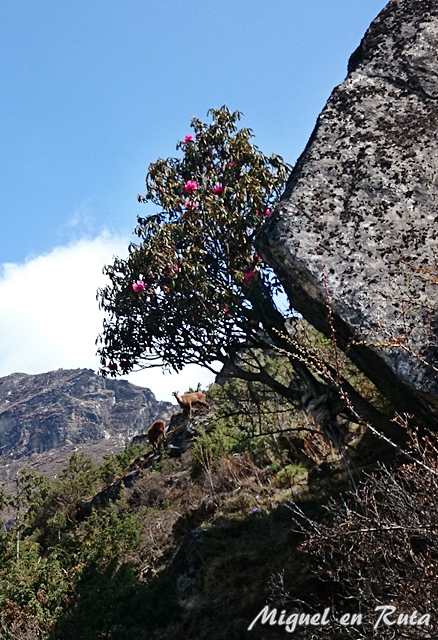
(139, 439)
(186, 400)
(156, 433)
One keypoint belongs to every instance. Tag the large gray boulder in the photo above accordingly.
(359, 219)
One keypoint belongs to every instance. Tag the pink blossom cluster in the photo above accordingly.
(190, 186)
(138, 286)
(218, 188)
(190, 204)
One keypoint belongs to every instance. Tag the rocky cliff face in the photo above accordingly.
(61, 408)
(359, 220)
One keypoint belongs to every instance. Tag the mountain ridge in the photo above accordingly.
(49, 415)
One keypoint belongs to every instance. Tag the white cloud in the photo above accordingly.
(49, 318)
(82, 218)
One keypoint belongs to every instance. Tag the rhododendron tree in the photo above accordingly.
(191, 288)
(203, 294)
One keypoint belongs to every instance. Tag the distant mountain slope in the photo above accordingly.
(51, 410)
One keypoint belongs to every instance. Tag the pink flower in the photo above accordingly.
(188, 138)
(191, 186)
(138, 286)
(189, 204)
(230, 164)
(218, 188)
(226, 310)
(266, 213)
(248, 276)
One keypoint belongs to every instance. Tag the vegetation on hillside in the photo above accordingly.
(173, 552)
(64, 575)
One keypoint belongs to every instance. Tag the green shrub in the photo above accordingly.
(289, 475)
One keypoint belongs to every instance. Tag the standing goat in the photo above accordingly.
(156, 433)
(186, 400)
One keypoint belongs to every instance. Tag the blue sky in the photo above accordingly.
(93, 91)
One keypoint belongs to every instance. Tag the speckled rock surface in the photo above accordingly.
(359, 218)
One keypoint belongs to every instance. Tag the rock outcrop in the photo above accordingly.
(54, 410)
(358, 225)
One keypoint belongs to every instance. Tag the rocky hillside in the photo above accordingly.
(66, 409)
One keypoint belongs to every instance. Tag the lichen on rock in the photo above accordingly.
(357, 227)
